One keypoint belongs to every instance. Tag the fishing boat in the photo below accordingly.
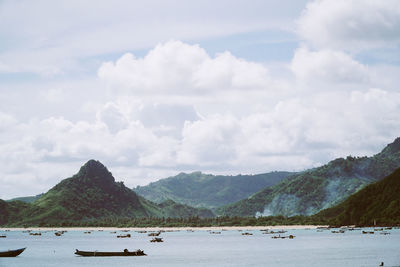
(109, 254)
(11, 253)
(124, 236)
(157, 239)
(247, 233)
(35, 233)
(154, 234)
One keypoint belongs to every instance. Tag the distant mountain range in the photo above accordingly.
(309, 192)
(91, 194)
(337, 192)
(376, 203)
(28, 199)
(205, 190)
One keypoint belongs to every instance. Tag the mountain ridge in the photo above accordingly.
(90, 194)
(310, 191)
(378, 203)
(205, 190)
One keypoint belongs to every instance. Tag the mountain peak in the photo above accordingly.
(393, 147)
(95, 171)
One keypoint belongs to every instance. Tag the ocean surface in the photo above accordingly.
(201, 248)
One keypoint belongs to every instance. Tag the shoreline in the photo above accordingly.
(207, 228)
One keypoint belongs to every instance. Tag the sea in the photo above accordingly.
(309, 247)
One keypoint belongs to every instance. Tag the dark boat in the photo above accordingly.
(154, 234)
(124, 236)
(157, 239)
(109, 254)
(11, 253)
(35, 233)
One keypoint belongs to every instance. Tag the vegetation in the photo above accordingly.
(89, 195)
(204, 190)
(177, 222)
(93, 198)
(378, 202)
(311, 191)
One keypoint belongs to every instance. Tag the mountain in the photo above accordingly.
(378, 202)
(309, 192)
(28, 199)
(91, 194)
(205, 190)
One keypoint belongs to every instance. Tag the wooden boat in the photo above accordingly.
(368, 232)
(35, 233)
(283, 237)
(110, 254)
(154, 234)
(247, 233)
(3, 236)
(124, 236)
(11, 253)
(157, 239)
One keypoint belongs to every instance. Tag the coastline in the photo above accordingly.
(211, 228)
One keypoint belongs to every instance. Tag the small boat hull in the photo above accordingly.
(11, 253)
(109, 254)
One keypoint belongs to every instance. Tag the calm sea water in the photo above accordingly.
(200, 248)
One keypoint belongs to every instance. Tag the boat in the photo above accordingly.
(109, 254)
(124, 236)
(154, 234)
(35, 233)
(247, 233)
(283, 237)
(368, 232)
(11, 253)
(157, 239)
(3, 236)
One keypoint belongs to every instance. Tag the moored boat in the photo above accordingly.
(109, 253)
(157, 239)
(35, 233)
(11, 253)
(155, 234)
(124, 236)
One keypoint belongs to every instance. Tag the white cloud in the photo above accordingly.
(351, 25)
(112, 116)
(328, 66)
(178, 68)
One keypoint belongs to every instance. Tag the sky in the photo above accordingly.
(155, 88)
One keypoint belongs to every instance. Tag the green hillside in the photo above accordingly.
(205, 190)
(91, 194)
(379, 202)
(309, 192)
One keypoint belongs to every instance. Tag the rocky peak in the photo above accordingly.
(94, 172)
(393, 147)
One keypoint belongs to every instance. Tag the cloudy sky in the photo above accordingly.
(154, 88)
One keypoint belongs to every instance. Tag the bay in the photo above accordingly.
(201, 248)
